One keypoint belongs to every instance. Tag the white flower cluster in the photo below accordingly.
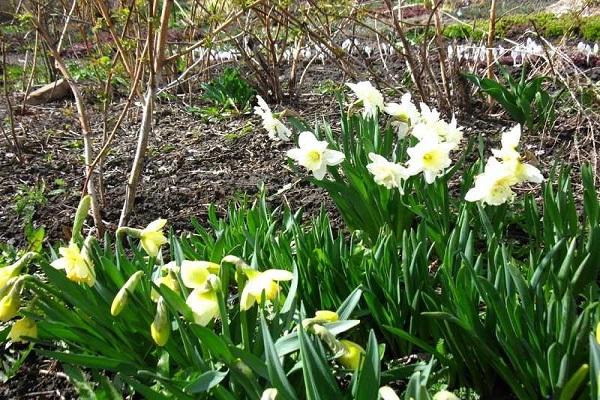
(518, 53)
(494, 185)
(436, 139)
(588, 50)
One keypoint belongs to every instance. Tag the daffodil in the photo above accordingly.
(445, 395)
(204, 303)
(259, 282)
(387, 393)
(509, 155)
(160, 329)
(122, 296)
(314, 155)
(324, 316)
(152, 237)
(22, 329)
(403, 114)
(169, 280)
(432, 125)
(429, 156)
(352, 355)
(11, 271)
(493, 186)
(10, 303)
(203, 300)
(598, 333)
(274, 127)
(371, 98)
(77, 263)
(386, 173)
(269, 394)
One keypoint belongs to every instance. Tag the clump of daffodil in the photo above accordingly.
(352, 355)
(402, 115)
(314, 155)
(166, 276)
(203, 300)
(429, 156)
(387, 393)
(160, 329)
(151, 237)
(77, 263)
(13, 270)
(262, 282)
(22, 329)
(431, 124)
(494, 185)
(369, 96)
(122, 296)
(445, 395)
(269, 394)
(274, 127)
(386, 173)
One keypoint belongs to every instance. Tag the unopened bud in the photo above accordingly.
(122, 297)
(160, 329)
(10, 304)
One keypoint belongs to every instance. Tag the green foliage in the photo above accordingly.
(525, 100)
(229, 91)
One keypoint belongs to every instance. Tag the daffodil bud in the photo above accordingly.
(242, 368)
(82, 212)
(445, 395)
(169, 280)
(11, 271)
(323, 316)
(22, 329)
(269, 394)
(352, 356)
(10, 304)
(598, 333)
(235, 260)
(120, 300)
(160, 329)
(132, 232)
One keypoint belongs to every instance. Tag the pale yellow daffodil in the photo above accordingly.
(152, 237)
(352, 356)
(203, 300)
(387, 393)
(324, 316)
(169, 280)
(76, 263)
(493, 186)
(259, 282)
(22, 329)
(269, 394)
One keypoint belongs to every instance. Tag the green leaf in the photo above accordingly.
(206, 382)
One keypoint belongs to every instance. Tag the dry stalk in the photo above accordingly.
(86, 131)
(11, 116)
(156, 60)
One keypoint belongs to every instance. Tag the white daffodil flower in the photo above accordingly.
(314, 155)
(432, 125)
(385, 172)
(387, 393)
(429, 156)
(274, 127)
(259, 282)
(403, 114)
(493, 186)
(76, 263)
(523, 172)
(152, 237)
(269, 394)
(371, 98)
